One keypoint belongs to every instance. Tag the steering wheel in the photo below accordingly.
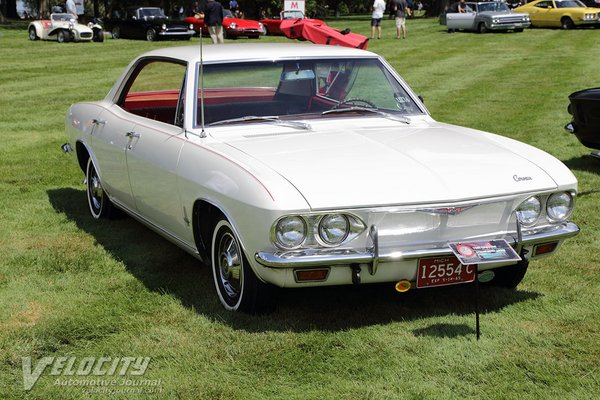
(355, 102)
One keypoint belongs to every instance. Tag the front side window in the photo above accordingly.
(154, 91)
(299, 88)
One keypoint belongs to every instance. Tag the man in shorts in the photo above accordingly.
(378, 11)
(401, 7)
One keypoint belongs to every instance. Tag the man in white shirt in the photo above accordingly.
(71, 9)
(378, 10)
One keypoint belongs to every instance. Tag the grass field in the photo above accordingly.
(73, 287)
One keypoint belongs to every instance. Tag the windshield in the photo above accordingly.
(292, 14)
(151, 13)
(62, 17)
(493, 6)
(300, 89)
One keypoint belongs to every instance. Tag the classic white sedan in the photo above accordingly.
(295, 165)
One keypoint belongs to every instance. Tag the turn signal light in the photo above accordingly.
(544, 248)
(311, 275)
(403, 286)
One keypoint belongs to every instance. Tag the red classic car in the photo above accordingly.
(272, 25)
(232, 27)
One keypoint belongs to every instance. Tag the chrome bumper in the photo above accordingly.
(309, 258)
(188, 33)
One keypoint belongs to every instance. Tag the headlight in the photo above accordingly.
(334, 228)
(191, 27)
(529, 211)
(164, 27)
(260, 26)
(559, 206)
(290, 232)
(232, 25)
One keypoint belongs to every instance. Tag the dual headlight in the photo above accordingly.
(558, 208)
(293, 231)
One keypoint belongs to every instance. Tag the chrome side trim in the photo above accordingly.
(307, 258)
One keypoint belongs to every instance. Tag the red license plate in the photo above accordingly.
(441, 271)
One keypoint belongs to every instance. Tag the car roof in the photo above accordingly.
(255, 52)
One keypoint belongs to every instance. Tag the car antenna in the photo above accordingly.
(202, 133)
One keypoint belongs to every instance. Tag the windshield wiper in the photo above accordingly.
(270, 119)
(393, 117)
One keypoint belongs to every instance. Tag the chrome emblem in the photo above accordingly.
(447, 210)
(518, 178)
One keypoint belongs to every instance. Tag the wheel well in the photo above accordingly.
(205, 216)
(82, 156)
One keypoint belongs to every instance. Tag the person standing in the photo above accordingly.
(213, 19)
(378, 11)
(401, 7)
(71, 8)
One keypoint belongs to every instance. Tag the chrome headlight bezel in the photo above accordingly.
(283, 232)
(529, 211)
(317, 225)
(565, 200)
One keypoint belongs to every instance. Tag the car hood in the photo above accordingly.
(385, 163)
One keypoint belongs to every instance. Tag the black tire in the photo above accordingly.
(151, 35)
(519, 30)
(481, 28)
(116, 32)
(98, 35)
(63, 36)
(237, 286)
(510, 277)
(99, 204)
(566, 23)
(32, 34)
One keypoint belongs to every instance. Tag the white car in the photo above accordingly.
(296, 165)
(63, 27)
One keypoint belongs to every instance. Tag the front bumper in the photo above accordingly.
(176, 34)
(504, 26)
(310, 258)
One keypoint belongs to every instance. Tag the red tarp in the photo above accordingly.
(322, 34)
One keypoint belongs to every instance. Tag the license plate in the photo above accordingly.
(441, 271)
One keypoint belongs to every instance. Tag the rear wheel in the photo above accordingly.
(63, 36)
(567, 23)
(510, 277)
(116, 32)
(32, 34)
(98, 202)
(237, 286)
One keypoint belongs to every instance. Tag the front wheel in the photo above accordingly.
(98, 35)
(510, 277)
(116, 32)
(237, 286)
(98, 202)
(63, 36)
(567, 23)
(482, 28)
(151, 35)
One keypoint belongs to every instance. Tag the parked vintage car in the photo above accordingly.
(565, 14)
(295, 165)
(232, 27)
(487, 16)
(63, 27)
(148, 23)
(584, 106)
(272, 25)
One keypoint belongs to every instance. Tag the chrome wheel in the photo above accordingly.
(99, 204)
(32, 34)
(228, 265)
(151, 35)
(116, 32)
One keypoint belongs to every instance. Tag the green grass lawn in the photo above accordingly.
(73, 287)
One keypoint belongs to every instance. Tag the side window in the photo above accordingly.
(542, 4)
(154, 91)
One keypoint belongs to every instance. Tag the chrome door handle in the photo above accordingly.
(98, 122)
(132, 134)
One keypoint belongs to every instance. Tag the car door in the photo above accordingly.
(109, 138)
(464, 20)
(540, 16)
(152, 98)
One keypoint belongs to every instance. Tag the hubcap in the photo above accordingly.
(95, 189)
(229, 265)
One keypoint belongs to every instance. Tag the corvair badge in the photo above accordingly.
(446, 210)
(518, 178)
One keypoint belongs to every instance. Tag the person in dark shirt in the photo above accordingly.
(213, 19)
